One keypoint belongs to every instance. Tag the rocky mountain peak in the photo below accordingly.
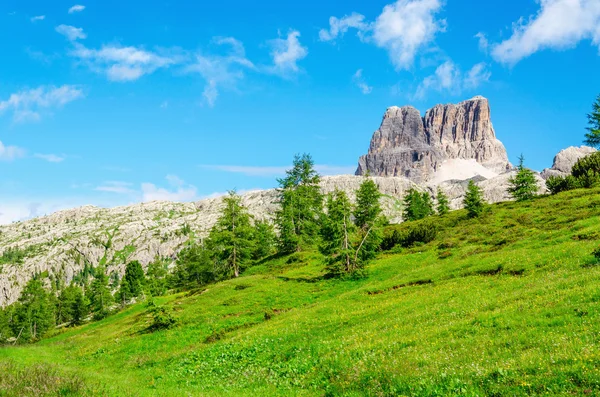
(416, 147)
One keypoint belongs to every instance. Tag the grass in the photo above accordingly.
(507, 304)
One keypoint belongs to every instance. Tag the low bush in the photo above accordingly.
(408, 236)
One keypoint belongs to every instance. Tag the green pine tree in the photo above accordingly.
(417, 205)
(592, 137)
(337, 234)
(369, 221)
(156, 277)
(231, 237)
(473, 201)
(264, 238)
(6, 316)
(100, 295)
(523, 186)
(301, 206)
(194, 267)
(34, 312)
(132, 283)
(443, 204)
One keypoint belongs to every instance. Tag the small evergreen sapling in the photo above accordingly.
(443, 204)
(523, 186)
(473, 201)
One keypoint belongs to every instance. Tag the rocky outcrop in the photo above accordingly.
(63, 243)
(565, 160)
(416, 147)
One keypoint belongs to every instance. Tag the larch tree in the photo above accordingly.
(231, 237)
(301, 206)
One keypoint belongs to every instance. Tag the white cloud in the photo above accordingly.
(26, 105)
(403, 29)
(76, 8)
(359, 80)
(70, 32)
(51, 158)
(118, 187)
(10, 153)
(122, 63)
(558, 25)
(339, 26)
(221, 71)
(286, 53)
(484, 43)
(478, 75)
(274, 171)
(38, 18)
(449, 78)
(178, 191)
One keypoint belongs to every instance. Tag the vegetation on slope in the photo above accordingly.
(503, 304)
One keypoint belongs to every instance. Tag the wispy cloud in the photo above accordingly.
(286, 52)
(339, 26)
(403, 28)
(121, 64)
(221, 71)
(558, 25)
(51, 158)
(449, 78)
(274, 171)
(27, 105)
(38, 18)
(360, 82)
(71, 33)
(10, 153)
(484, 44)
(76, 8)
(178, 190)
(118, 187)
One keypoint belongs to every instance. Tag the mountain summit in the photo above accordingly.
(454, 139)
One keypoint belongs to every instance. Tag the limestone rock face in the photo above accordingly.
(64, 242)
(414, 147)
(565, 160)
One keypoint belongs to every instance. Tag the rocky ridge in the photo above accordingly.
(416, 147)
(565, 160)
(63, 243)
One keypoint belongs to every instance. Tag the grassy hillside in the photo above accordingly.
(507, 304)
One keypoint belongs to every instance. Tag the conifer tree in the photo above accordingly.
(369, 221)
(417, 205)
(5, 323)
(443, 204)
(72, 306)
(194, 267)
(301, 204)
(231, 237)
(473, 201)
(34, 312)
(338, 233)
(263, 237)
(592, 137)
(156, 278)
(100, 296)
(523, 186)
(132, 283)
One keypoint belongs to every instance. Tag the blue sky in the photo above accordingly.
(113, 102)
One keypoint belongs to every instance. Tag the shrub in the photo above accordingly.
(162, 316)
(596, 254)
(584, 165)
(424, 232)
(557, 184)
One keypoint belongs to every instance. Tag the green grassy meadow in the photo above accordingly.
(503, 305)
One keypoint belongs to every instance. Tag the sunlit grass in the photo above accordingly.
(502, 305)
